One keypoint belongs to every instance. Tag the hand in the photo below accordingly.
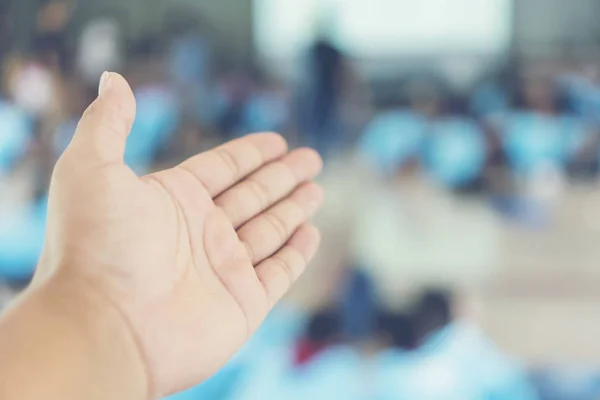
(194, 257)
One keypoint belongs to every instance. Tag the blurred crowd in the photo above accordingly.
(514, 138)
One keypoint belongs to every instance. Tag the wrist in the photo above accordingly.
(66, 331)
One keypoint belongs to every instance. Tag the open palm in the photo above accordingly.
(193, 257)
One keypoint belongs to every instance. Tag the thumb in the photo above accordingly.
(102, 131)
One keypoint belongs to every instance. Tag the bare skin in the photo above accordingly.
(148, 285)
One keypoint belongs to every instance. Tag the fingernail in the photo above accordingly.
(104, 82)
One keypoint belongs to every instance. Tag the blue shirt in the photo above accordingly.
(532, 141)
(21, 241)
(457, 363)
(391, 139)
(455, 153)
(16, 130)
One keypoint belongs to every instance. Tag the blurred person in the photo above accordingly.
(158, 110)
(22, 219)
(51, 37)
(582, 91)
(16, 134)
(323, 331)
(541, 138)
(189, 65)
(321, 95)
(455, 152)
(336, 345)
(157, 120)
(358, 306)
(392, 139)
(78, 94)
(320, 368)
(433, 312)
(454, 360)
(33, 86)
(540, 133)
(22, 231)
(489, 100)
(231, 97)
(425, 96)
(100, 46)
(109, 326)
(268, 108)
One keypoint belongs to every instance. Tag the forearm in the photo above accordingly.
(55, 344)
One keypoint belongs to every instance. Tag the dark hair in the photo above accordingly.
(398, 329)
(323, 327)
(433, 311)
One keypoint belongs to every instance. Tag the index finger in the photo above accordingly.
(224, 166)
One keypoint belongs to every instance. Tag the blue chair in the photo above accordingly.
(16, 130)
(455, 152)
(392, 139)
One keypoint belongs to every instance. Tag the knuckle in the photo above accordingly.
(229, 160)
(278, 226)
(259, 191)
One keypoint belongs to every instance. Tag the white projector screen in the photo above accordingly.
(385, 28)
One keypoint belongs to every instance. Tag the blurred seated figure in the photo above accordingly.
(533, 141)
(489, 100)
(392, 139)
(157, 119)
(22, 234)
(582, 92)
(453, 361)
(100, 47)
(21, 225)
(267, 110)
(189, 64)
(316, 368)
(541, 134)
(51, 31)
(16, 131)
(455, 152)
(329, 360)
(230, 99)
(321, 93)
(33, 85)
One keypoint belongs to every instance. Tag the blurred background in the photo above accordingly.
(461, 233)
